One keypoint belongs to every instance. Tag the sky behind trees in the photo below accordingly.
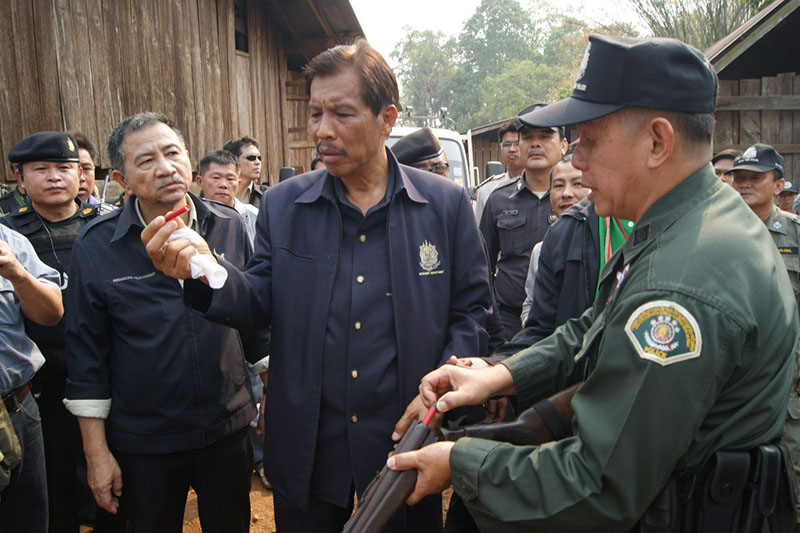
(484, 60)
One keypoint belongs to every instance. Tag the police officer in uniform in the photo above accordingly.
(787, 197)
(677, 424)
(518, 214)
(757, 174)
(47, 164)
(12, 200)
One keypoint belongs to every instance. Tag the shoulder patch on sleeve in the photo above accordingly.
(664, 332)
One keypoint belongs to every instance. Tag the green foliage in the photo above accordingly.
(700, 23)
(426, 63)
(503, 59)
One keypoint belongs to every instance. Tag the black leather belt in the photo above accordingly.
(13, 399)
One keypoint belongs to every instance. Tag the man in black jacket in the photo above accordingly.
(160, 392)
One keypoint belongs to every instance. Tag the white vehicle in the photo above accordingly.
(453, 145)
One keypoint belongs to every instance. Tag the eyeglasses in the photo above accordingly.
(438, 168)
(508, 144)
(252, 157)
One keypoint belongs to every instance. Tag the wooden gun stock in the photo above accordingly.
(390, 489)
(548, 420)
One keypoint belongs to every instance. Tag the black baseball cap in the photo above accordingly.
(618, 72)
(417, 146)
(522, 122)
(759, 158)
(791, 186)
(45, 146)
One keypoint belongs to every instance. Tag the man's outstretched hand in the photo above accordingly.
(171, 258)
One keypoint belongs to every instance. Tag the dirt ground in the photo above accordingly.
(262, 518)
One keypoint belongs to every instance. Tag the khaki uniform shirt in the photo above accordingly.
(785, 231)
(689, 350)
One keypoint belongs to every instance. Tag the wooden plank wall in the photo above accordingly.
(84, 65)
(301, 149)
(765, 110)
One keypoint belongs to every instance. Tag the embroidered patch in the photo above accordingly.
(429, 259)
(787, 250)
(664, 332)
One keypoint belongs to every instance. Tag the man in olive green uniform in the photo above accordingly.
(757, 174)
(681, 363)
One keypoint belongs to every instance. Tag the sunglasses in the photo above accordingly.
(438, 168)
(253, 157)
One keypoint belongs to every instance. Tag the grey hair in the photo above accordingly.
(131, 124)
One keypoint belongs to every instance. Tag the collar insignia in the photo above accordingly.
(641, 235)
(777, 224)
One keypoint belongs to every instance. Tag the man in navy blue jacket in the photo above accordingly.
(370, 273)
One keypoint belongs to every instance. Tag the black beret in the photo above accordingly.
(417, 146)
(45, 146)
(618, 72)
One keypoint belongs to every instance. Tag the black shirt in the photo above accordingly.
(176, 380)
(513, 221)
(53, 244)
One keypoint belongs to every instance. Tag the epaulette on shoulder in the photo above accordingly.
(512, 183)
(88, 211)
(99, 221)
(490, 179)
(23, 210)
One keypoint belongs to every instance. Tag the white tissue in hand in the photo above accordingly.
(201, 265)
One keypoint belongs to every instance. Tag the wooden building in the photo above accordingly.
(219, 68)
(759, 91)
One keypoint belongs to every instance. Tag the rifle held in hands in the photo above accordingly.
(390, 489)
(546, 421)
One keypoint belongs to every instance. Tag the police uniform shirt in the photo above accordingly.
(20, 358)
(680, 362)
(785, 231)
(51, 240)
(11, 201)
(359, 363)
(513, 221)
(53, 243)
(485, 190)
